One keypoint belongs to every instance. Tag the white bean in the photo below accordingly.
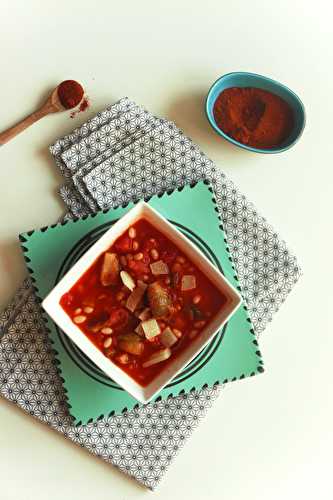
(196, 299)
(79, 319)
(106, 330)
(154, 253)
(132, 233)
(138, 256)
(107, 342)
(88, 309)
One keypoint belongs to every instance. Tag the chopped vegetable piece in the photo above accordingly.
(131, 343)
(159, 267)
(110, 269)
(159, 300)
(135, 299)
(168, 338)
(127, 279)
(151, 328)
(145, 314)
(139, 330)
(188, 282)
(157, 357)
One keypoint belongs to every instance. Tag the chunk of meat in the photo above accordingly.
(110, 269)
(145, 314)
(118, 317)
(131, 344)
(157, 357)
(135, 299)
(159, 300)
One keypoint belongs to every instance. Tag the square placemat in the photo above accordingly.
(51, 251)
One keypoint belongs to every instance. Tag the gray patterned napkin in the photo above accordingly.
(84, 156)
(110, 113)
(141, 442)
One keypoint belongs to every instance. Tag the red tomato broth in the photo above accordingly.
(109, 302)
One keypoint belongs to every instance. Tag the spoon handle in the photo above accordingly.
(12, 132)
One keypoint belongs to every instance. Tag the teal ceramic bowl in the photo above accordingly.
(242, 79)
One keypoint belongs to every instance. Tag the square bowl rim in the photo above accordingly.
(52, 306)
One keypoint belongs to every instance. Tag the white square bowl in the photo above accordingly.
(52, 306)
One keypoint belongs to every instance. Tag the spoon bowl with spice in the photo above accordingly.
(67, 95)
(255, 112)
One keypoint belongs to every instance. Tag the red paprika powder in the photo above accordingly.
(84, 105)
(254, 117)
(70, 93)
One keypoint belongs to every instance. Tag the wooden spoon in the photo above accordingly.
(52, 105)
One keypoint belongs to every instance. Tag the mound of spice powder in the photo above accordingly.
(253, 116)
(70, 93)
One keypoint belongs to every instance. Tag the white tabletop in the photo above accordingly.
(266, 438)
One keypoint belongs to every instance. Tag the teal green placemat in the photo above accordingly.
(51, 251)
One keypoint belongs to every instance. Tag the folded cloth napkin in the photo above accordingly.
(143, 441)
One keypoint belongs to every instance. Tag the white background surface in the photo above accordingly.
(266, 438)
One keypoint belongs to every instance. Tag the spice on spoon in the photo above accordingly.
(67, 95)
(70, 93)
(253, 116)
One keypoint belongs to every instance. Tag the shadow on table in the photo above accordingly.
(188, 111)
